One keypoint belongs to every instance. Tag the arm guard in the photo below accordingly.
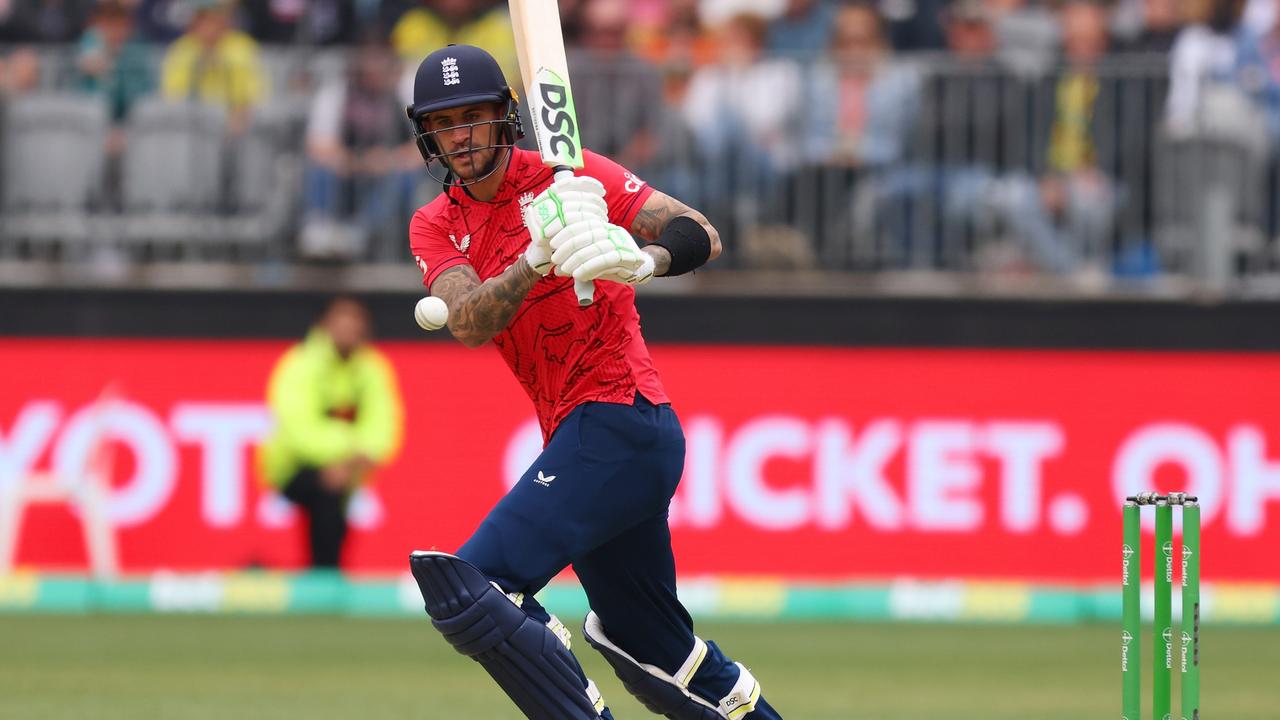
(688, 243)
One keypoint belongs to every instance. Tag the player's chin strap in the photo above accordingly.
(530, 661)
(669, 694)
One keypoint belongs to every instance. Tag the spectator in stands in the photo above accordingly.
(362, 168)
(672, 39)
(646, 18)
(306, 22)
(747, 105)
(616, 93)
(215, 63)
(971, 164)
(436, 23)
(680, 42)
(1026, 35)
(1222, 81)
(744, 115)
(163, 21)
(19, 64)
(113, 62)
(338, 416)
(862, 103)
(19, 71)
(960, 150)
(14, 24)
(1259, 16)
(915, 25)
(43, 21)
(373, 14)
(802, 30)
(1073, 220)
(1159, 22)
(1223, 117)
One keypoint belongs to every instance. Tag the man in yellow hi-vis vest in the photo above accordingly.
(338, 414)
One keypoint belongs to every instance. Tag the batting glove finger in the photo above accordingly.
(624, 272)
(588, 236)
(618, 267)
(577, 183)
(550, 214)
(577, 187)
(591, 253)
(593, 268)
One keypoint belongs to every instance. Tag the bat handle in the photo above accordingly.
(586, 292)
(584, 289)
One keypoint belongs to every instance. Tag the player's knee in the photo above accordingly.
(670, 694)
(530, 660)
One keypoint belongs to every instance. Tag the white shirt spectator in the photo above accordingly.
(714, 13)
(761, 100)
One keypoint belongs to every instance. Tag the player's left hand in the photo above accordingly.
(564, 202)
(589, 249)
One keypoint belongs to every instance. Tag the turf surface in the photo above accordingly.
(314, 668)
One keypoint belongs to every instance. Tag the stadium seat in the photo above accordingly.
(173, 175)
(52, 168)
(264, 179)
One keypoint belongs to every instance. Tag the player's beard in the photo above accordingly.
(473, 165)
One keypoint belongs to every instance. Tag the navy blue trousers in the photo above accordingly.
(597, 499)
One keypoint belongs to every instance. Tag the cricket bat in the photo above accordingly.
(545, 74)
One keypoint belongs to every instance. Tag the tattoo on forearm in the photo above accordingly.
(480, 310)
(657, 211)
(660, 209)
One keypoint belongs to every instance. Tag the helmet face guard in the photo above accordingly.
(503, 134)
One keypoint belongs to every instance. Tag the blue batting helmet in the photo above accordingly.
(455, 76)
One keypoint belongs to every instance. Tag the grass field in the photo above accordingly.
(219, 667)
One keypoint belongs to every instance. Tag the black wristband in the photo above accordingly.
(688, 243)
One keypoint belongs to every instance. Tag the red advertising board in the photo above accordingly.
(803, 462)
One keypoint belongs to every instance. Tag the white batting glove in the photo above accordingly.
(593, 250)
(563, 202)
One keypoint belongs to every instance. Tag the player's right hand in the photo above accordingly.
(563, 202)
(592, 250)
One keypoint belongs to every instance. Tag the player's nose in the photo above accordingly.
(459, 136)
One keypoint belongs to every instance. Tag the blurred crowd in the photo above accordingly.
(859, 133)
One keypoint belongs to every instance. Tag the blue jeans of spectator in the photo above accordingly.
(962, 197)
(1081, 232)
(366, 200)
(924, 208)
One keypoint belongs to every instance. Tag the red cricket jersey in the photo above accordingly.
(562, 354)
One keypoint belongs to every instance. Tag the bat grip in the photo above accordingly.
(584, 289)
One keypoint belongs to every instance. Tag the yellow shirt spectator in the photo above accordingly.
(1071, 144)
(226, 73)
(420, 31)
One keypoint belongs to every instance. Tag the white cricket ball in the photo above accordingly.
(431, 313)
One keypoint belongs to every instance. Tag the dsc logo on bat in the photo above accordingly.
(557, 131)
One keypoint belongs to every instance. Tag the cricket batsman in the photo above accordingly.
(501, 246)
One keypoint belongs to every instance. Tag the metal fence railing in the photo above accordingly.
(914, 164)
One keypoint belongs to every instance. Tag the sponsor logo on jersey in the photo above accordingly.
(544, 480)
(632, 183)
(422, 265)
(463, 245)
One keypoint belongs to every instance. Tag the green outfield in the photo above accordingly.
(218, 667)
